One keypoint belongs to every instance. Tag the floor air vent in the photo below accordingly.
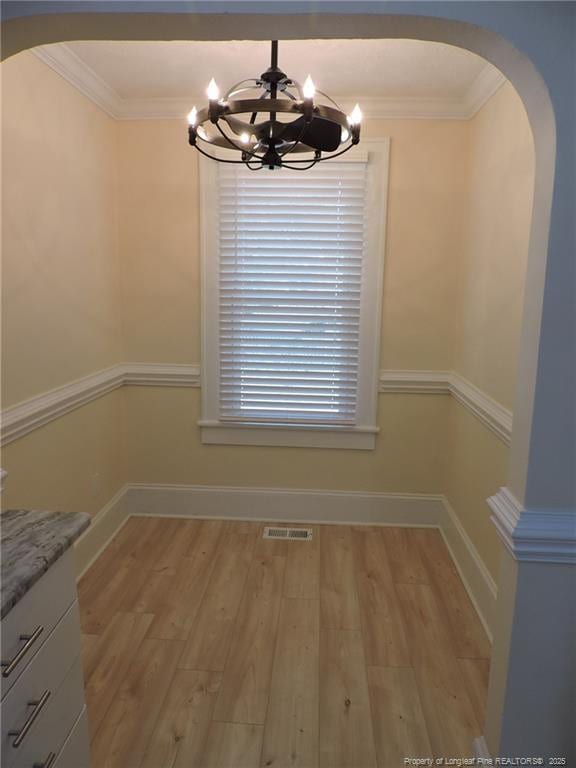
(295, 534)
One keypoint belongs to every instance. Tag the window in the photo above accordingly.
(292, 268)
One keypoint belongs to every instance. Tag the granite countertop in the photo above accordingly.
(31, 541)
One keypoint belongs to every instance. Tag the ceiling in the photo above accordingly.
(134, 78)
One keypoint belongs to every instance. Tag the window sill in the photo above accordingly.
(309, 436)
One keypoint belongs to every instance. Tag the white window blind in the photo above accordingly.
(291, 251)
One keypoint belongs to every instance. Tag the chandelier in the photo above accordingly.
(285, 120)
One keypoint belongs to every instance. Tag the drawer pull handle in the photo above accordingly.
(47, 763)
(20, 735)
(10, 666)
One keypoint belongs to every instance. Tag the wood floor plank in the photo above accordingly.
(446, 704)
(246, 681)
(175, 541)
(270, 546)
(209, 644)
(185, 718)
(122, 739)
(346, 736)
(252, 618)
(338, 599)
(176, 616)
(302, 576)
(118, 591)
(205, 538)
(398, 720)
(476, 674)
(152, 594)
(468, 634)
(404, 555)
(382, 620)
(122, 549)
(108, 660)
(231, 745)
(291, 731)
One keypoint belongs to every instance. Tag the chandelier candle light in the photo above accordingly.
(294, 122)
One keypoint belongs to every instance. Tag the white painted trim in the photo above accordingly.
(487, 82)
(161, 375)
(360, 435)
(67, 64)
(20, 419)
(480, 585)
(493, 415)
(72, 68)
(416, 382)
(291, 505)
(288, 435)
(480, 749)
(104, 526)
(534, 535)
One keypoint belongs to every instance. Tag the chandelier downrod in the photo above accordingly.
(295, 121)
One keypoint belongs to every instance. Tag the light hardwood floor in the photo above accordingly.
(206, 646)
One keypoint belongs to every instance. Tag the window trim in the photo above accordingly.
(363, 434)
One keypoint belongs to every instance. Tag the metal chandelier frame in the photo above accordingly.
(266, 144)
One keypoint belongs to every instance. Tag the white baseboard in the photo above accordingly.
(284, 504)
(481, 749)
(305, 506)
(478, 581)
(105, 525)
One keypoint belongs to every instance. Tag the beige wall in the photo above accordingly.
(164, 447)
(160, 244)
(161, 284)
(500, 184)
(60, 264)
(61, 280)
(500, 167)
(73, 464)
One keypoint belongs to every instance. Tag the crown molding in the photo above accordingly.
(60, 58)
(68, 65)
(534, 535)
(485, 85)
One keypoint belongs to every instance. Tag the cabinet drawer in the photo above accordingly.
(54, 724)
(76, 751)
(35, 616)
(40, 682)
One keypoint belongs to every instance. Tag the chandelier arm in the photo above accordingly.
(235, 146)
(327, 157)
(219, 159)
(236, 87)
(341, 152)
(296, 168)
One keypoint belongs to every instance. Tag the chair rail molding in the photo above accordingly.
(493, 415)
(534, 535)
(19, 419)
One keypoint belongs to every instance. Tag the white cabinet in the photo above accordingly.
(43, 712)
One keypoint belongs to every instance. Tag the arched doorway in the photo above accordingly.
(540, 476)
